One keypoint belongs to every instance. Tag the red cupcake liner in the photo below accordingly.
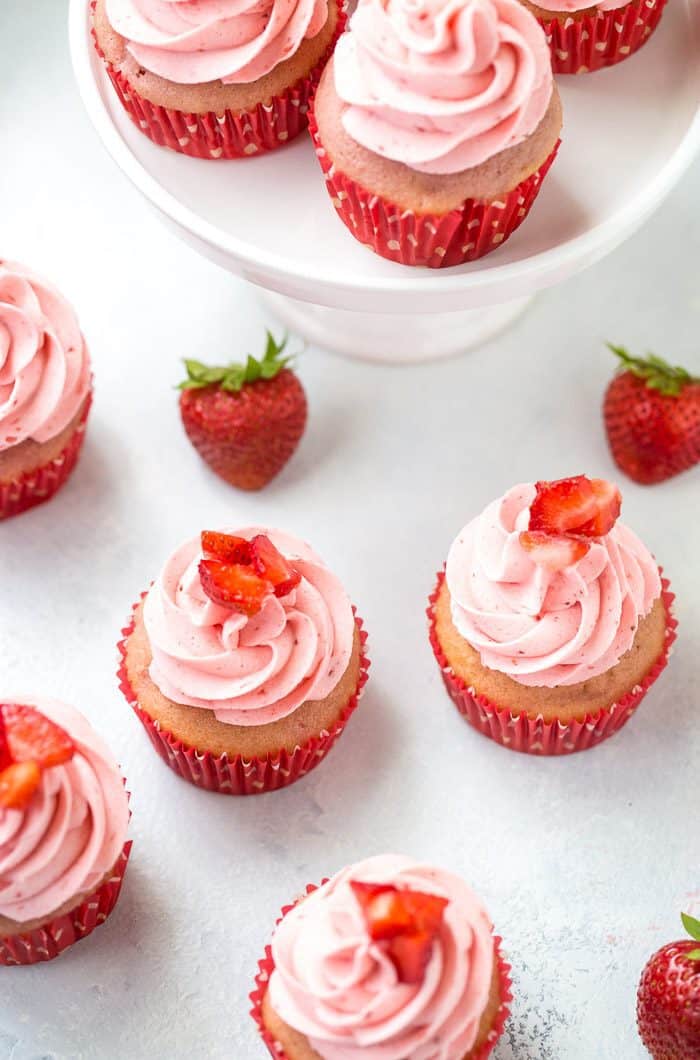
(581, 46)
(227, 134)
(35, 487)
(434, 240)
(517, 731)
(238, 775)
(266, 966)
(50, 940)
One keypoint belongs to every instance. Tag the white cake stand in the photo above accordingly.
(630, 133)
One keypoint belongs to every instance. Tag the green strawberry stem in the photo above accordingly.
(234, 376)
(692, 926)
(658, 374)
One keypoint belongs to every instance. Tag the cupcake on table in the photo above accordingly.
(244, 661)
(216, 78)
(551, 620)
(45, 389)
(388, 960)
(435, 123)
(63, 823)
(586, 36)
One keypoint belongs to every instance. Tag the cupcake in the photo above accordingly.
(586, 37)
(435, 123)
(217, 78)
(551, 620)
(244, 660)
(389, 960)
(63, 823)
(45, 389)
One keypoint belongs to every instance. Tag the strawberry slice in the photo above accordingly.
(269, 563)
(608, 501)
(233, 585)
(226, 547)
(554, 553)
(408, 921)
(32, 737)
(386, 915)
(18, 783)
(563, 506)
(410, 955)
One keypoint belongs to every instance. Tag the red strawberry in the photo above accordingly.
(410, 955)
(668, 998)
(32, 737)
(563, 506)
(652, 418)
(234, 585)
(18, 783)
(244, 420)
(554, 553)
(408, 921)
(226, 547)
(608, 502)
(269, 563)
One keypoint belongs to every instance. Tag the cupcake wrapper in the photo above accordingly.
(228, 134)
(266, 967)
(536, 736)
(35, 487)
(434, 240)
(237, 775)
(580, 46)
(50, 940)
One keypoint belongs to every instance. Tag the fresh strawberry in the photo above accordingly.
(18, 783)
(608, 502)
(32, 737)
(269, 563)
(385, 913)
(553, 552)
(244, 420)
(668, 998)
(226, 547)
(234, 585)
(410, 955)
(408, 921)
(652, 418)
(563, 506)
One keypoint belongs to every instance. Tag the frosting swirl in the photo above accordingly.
(249, 671)
(44, 362)
(544, 627)
(335, 985)
(442, 85)
(234, 41)
(72, 831)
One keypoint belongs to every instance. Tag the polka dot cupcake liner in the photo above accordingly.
(604, 38)
(266, 967)
(227, 134)
(519, 732)
(55, 936)
(236, 775)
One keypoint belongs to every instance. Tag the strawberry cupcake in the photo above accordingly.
(63, 823)
(244, 660)
(435, 123)
(45, 389)
(551, 619)
(217, 78)
(586, 37)
(390, 959)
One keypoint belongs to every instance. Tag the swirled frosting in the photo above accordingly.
(567, 6)
(73, 830)
(442, 85)
(234, 41)
(335, 985)
(44, 362)
(249, 671)
(544, 627)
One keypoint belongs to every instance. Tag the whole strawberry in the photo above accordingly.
(652, 418)
(244, 420)
(668, 998)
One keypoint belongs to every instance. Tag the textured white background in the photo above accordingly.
(584, 863)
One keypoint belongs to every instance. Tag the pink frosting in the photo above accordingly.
(442, 85)
(44, 362)
(337, 987)
(234, 41)
(544, 627)
(581, 5)
(249, 671)
(72, 831)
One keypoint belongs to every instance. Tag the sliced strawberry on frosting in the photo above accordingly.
(235, 586)
(225, 547)
(408, 921)
(563, 506)
(17, 785)
(32, 737)
(385, 913)
(608, 501)
(410, 955)
(269, 563)
(553, 552)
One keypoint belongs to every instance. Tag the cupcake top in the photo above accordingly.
(44, 362)
(390, 959)
(196, 41)
(442, 85)
(568, 6)
(248, 623)
(547, 586)
(63, 819)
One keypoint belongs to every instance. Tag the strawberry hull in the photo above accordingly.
(604, 38)
(519, 732)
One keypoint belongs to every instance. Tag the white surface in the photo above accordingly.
(584, 862)
(629, 134)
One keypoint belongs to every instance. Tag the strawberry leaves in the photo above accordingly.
(233, 377)
(692, 926)
(658, 374)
